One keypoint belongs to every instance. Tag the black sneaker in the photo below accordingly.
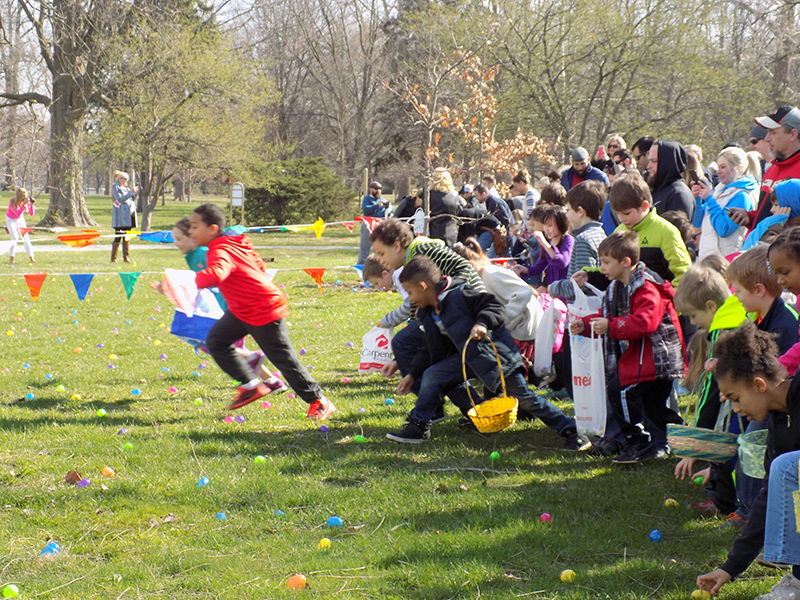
(438, 416)
(576, 442)
(467, 424)
(633, 454)
(412, 433)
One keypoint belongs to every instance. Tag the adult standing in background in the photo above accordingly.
(640, 150)
(521, 184)
(372, 205)
(444, 207)
(758, 143)
(123, 214)
(666, 164)
(581, 170)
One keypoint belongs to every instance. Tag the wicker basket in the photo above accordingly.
(698, 443)
(494, 414)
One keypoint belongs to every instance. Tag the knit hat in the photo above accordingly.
(579, 154)
(758, 132)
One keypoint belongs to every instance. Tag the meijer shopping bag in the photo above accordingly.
(550, 333)
(376, 349)
(588, 369)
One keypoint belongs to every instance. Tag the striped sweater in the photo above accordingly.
(584, 256)
(449, 262)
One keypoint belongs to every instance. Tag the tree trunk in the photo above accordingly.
(67, 204)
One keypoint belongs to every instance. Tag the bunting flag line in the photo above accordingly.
(316, 274)
(132, 234)
(23, 231)
(129, 281)
(348, 224)
(360, 270)
(159, 237)
(81, 282)
(35, 282)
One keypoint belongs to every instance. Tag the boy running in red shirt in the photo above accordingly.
(255, 306)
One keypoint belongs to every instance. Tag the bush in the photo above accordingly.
(296, 191)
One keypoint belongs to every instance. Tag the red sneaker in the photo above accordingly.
(321, 409)
(246, 396)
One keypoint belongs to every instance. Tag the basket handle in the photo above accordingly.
(464, 367)
(704, 378)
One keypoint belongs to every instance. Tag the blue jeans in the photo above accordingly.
(537, 406)
(781, 540)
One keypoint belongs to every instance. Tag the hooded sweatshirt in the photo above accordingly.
(238, 271)
(787, 193)
(669, 190)
(720, 234)
(788, 168)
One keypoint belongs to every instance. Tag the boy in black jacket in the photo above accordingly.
(450, 314)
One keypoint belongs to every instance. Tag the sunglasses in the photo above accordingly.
(754, 141)
(613, 146)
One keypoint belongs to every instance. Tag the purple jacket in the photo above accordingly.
(558, 266)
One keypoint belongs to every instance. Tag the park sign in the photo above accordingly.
(237, 200)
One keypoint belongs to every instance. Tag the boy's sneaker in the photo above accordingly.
(321, 409)
(706, 508)
(412, 433)
(633, 454)
(256, 361)
(438, 416)
(787, 588)
(576, 442)
(606, 447)
(248, 395)
(734, 521)
(275, 385)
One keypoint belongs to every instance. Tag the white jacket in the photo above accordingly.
(523, 311)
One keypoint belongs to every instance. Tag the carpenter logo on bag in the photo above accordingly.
(382, 341)
(376, 351)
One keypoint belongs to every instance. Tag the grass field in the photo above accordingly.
(437, 521)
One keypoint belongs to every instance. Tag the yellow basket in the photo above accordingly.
(497, 413)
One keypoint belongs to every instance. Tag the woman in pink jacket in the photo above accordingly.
(15, 220)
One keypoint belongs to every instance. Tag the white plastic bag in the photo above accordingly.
(549, 334)
(376, 350)
(584, 305)
(588, 383)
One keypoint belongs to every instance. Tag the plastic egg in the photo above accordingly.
(324, 544)
(240, 419)
(26, 365)
(77, 350)
(359, 439)
(198, 401)
(655, 535)
(700, 595)
(388, 401)
(108, 472)
(671, 503)
(173, 390)
(296, 582)
(203, 482)
(136, 392)
(127, 447)
(10, 591)
(495, 455)
(567, 575)
(112, 357)
(101, 412)
(84, 483)
(220, 516)
(335, 521)
(698, 480)
(324, 428)
(279, 513)
(260, 460)
(545, 518)
(29, 396)
(122, 431)
(228, 419)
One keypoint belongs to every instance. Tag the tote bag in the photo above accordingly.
(588, 368)
(376, 349)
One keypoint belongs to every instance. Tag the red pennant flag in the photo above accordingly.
(370, 222)
(35, 282)
(317, 275)
(23, 231)
(349, 225)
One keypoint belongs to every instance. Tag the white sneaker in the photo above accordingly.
(787, 588)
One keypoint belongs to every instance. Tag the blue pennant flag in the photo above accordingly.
(82, 281)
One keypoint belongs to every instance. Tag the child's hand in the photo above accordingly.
(704, 473)
(478, 331)
(712, 582)
(580, 278)
(156, 286)
(684, 468)
(519, 269)
(405, 385)
(541, 239)
(777, 209)
(577, 327)
(600, 325)
(389, 369)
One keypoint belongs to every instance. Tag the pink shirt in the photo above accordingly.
(15, 212)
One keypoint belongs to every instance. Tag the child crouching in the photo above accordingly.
(451, 314)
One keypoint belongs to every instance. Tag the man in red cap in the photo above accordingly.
(783, 137)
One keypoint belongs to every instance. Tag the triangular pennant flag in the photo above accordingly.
(23, 231)
(82, 281)
(370, 222)
(79, 240)
(35, 281)
(349, 225)
(160, 237)
(318, 227)
(270, 274)
(129, 281)
(360, 270)
(132, 234)
(317, 275)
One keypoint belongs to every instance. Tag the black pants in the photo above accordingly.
(641, 409)
(273, 339)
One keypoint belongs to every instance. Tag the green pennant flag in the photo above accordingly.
(129, 281)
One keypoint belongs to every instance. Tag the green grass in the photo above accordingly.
(412, 529)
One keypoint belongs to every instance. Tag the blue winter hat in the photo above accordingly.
(787, 194)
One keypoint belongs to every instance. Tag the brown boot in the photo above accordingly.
(114, 249)
(126, 250)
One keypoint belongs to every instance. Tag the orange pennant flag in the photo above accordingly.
(23, 231)
(79, 240)
(317, 275)
(349, 225)
(35, 282)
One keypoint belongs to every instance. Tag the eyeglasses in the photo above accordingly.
(753, 141)
(614, 146)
